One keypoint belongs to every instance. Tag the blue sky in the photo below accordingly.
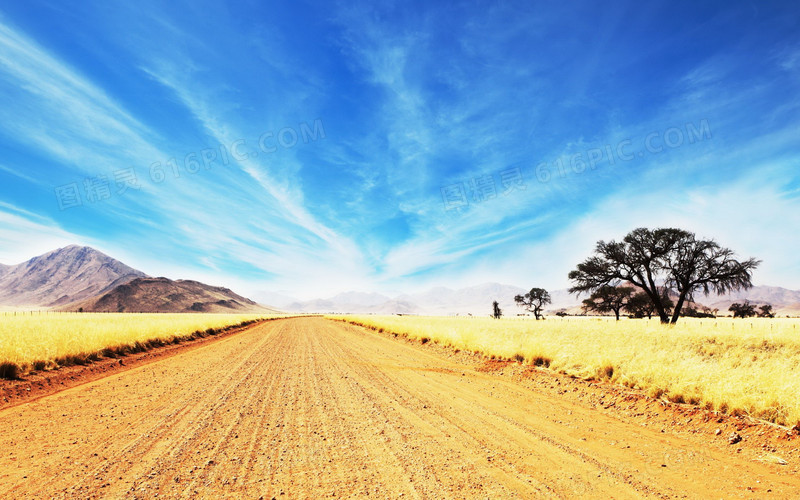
(320, 147)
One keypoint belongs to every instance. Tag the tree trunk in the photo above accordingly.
(656, 299)
(676, 313)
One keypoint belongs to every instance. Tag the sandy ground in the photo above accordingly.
(309, 408)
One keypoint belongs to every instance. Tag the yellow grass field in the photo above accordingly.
(47, 340)
(737, 366)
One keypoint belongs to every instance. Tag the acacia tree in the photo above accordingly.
(496, 311)
(534, 301)
(609, 299)
(765, 311)
(743, 310)
(669, 255)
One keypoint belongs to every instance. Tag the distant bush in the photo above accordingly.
(743, 310)
(693, 312)
(9, 370)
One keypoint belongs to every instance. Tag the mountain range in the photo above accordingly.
(81, 278)
(477, 300)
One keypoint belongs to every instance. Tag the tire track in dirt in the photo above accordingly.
(311, 408)
(481, 438)
(198, 425)
(405, 413)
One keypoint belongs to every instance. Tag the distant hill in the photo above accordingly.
(436, 301)
(477, 300)
(395, 307)
(273, 299)
(65, 275)
(343, 302)
(783, 301)
(162, 295)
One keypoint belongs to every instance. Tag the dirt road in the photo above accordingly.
(312, 408)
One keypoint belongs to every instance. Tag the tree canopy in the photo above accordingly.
(765, 311)
(742, 310)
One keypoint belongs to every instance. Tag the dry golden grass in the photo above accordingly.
(737, 366)
(49, 340)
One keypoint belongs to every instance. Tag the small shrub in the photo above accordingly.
(81, 359)
(605, 372)
(541, 361)
(677, 398)
(9, 370)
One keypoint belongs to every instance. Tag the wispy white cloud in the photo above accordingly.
(384, 56)
(281, 194)
(63, 114)
(24, 234)
(16, 172)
